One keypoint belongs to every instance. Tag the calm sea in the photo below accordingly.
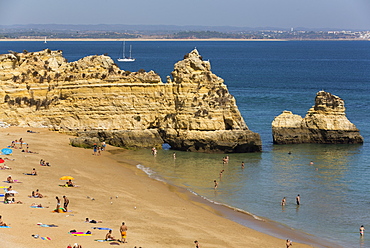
(267, 78)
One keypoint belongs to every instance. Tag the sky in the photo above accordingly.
(339, 14)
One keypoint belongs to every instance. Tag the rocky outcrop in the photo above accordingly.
(325, 123)
(92, 97)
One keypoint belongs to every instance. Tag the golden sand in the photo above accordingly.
(157, 215)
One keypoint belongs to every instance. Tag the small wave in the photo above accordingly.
(227, 206)
(149, 172)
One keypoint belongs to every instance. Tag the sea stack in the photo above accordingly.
(324, 123)
(95, 100)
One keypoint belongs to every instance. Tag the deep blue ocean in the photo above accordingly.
(267, 78)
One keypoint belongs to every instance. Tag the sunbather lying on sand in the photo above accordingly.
(5, 167)
(13, 201)
(43, 163)
(10, 179)
(36, 205)
(92, 221)
(1, 222)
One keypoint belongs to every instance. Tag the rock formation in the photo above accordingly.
(325, 123)
(92, 97)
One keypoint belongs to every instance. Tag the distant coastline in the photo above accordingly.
(162, 39)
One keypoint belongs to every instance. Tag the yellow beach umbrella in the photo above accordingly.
(66, 178)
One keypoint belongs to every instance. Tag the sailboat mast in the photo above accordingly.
(124, 47)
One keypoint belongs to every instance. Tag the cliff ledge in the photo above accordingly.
(97, 101)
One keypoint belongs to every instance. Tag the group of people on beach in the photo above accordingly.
(60, 209)
(98, 149)
(14, 144)
(123, 231)
(9, 193)
(4, 166)
(297, 200)
(44, 163)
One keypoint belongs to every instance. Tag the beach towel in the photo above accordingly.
(36, 207)
(29, 174)
(88, 233)
(2, 195)
(60, 210)
(81, 234)
(101, 240)
(114, 243)
(45, 225)
(36, 236)
(45, 238)
(102, 228)
(4, 226)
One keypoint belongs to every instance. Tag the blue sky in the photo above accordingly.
(343, 14)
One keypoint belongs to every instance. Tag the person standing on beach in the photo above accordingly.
(123, 231)
(66, 202)
(362, 230)
(298, 200)
(242, 165)
(58, 204)
(283, 202)
(222, 171)
(95, 148)
(216, 184)
(196, 244)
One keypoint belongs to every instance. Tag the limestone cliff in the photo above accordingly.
(325, 123)
(92, 97)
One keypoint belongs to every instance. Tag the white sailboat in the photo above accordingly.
(45, 40)
(124, 58)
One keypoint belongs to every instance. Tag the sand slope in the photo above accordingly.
(157, 215)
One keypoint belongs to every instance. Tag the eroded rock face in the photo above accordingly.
(325, 123)
(94, 98)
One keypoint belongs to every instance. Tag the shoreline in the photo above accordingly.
(156, 213)
(246, 219)
(161, 39)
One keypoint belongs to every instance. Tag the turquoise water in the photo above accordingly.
(267, 78)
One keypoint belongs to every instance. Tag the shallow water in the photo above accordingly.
(267, 78)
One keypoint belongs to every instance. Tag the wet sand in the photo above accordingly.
(157, 214)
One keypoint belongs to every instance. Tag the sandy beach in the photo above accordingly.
(156, 214)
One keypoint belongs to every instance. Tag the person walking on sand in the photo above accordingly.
(66, 202)
(362, 230)
(123, 231)
(298, 200)
(196, 244)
